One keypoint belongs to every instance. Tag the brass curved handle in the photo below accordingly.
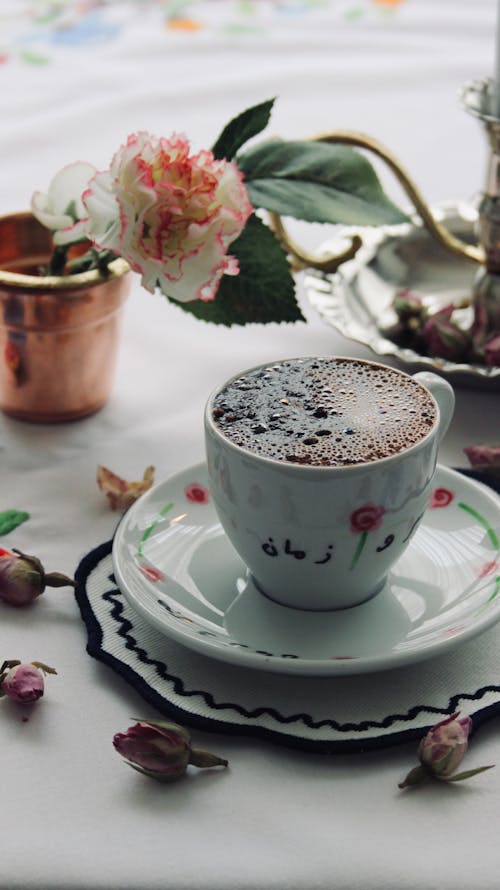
(302, 259)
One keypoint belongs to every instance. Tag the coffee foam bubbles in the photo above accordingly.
(324, 412)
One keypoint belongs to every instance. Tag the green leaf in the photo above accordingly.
(316, 182)
(459, 777)
(264, 290)
(10, 519)
(242, 128)
(45, 668)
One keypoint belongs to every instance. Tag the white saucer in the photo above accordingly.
(176, 568)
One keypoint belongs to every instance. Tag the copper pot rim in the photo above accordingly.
(19, 280)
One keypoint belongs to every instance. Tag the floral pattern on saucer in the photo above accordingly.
(177, 569)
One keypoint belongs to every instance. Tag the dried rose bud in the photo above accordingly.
(444, 746)
(161, 750)
(23, 578)
(23, 683)
(492, 351)
(443, 338)
(407, 304)
(479, 327)
(486, 324)
(441, 751)
(483, 457)
(120, 493)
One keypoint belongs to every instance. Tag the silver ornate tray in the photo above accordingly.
(357, 299)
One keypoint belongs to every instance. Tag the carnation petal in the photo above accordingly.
(67, 186)
(42, 210)
(103, 212)
(170, 214)
(200, 279)
(72, 234)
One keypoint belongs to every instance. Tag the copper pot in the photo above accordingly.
(58, 334)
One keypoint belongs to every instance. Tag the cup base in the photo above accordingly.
(318, 601)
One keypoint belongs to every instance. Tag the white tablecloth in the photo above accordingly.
(75, 79)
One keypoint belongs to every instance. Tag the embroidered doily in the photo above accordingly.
(328, 714)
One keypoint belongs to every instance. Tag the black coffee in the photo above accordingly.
(324, 412)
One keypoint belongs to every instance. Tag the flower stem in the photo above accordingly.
(204, 759)
(93, 259)
(58, 260)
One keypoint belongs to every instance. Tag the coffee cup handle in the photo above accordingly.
(444, 396)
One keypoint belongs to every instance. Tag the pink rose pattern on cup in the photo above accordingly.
(366, 518)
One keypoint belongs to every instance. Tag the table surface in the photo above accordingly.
(75, 79)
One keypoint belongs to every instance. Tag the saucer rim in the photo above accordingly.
(319, 667)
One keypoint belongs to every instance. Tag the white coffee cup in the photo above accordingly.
(323, 537)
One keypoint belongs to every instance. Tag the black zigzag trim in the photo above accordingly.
(351, 744)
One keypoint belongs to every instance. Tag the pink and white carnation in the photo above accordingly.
(61, 209)
(171, 214)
